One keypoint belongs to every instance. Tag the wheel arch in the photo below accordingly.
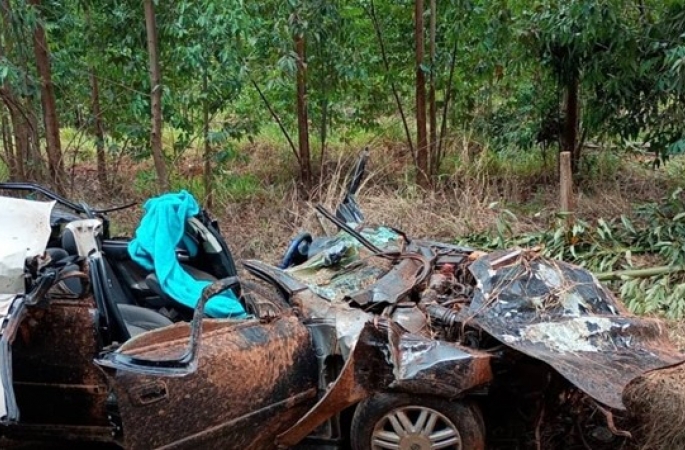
(463, 416)
(375, 366)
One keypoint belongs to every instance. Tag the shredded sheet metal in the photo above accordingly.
(560, 314)
(338, 271)
(25, 234)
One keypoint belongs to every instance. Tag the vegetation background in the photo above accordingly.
(259, 109)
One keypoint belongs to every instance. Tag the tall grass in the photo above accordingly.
(256, 181)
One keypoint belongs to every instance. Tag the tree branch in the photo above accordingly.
(379, 36)
(277, 119)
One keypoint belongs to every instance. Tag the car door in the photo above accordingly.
(247, 382)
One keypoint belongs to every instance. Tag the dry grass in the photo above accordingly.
(657, 400)
(261, 223)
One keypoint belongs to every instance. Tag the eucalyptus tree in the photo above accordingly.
(155, 94)
(50, 116)
(25, 78)
(645, 99)
(209, 45)
(318, 56)
(609, 59)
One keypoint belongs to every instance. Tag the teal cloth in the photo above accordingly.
(161, 230)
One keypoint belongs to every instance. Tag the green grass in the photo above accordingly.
(227, 186)
(4, 171)
(74, 140)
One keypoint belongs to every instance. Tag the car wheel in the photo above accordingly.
(404, 422)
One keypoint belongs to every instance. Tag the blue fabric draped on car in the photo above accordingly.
(161, 231)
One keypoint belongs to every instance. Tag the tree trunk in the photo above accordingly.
(323, 104)
(50, 118)
(35, 167)
(21, 143)
(156, 97)
(207, 172)
(302, 119)
(7, 141)
(571, 123)
(22, 115)
(432, 110)
(422, 138)
(8, 146)
(323, 133)
(393, 87)
(10, 101)
(98, 131)
(446, 102)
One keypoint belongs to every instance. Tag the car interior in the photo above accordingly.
(131, 297)
(140, 302)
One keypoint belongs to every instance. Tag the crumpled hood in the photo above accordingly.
(560, 314)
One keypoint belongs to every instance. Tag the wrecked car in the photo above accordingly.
(366, 338)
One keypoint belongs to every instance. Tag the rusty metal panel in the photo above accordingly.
(392, 286)
(432, 367)
(386, 358)
(55, 380)
(367, 370)
(560, 314)
(243, 368)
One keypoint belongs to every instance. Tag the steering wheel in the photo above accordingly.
(297, 250)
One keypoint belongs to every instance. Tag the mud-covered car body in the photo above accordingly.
(351, 317)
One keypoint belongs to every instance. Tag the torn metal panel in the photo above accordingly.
(422, 365)
(366, 371)
(410, 317)
(384, 358)
(560, 314)
(348, 322)
(389, 289)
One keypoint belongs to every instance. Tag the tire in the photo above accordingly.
(400, 421)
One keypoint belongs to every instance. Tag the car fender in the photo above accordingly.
(386, 358)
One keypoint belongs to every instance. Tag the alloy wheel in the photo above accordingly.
(415, 428)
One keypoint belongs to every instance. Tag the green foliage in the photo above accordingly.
(511, 60)
(654, 236)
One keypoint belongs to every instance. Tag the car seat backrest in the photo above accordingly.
(81, 237)
(69, 242)
(115, 291)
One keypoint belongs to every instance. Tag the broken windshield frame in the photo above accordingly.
(20, 186)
